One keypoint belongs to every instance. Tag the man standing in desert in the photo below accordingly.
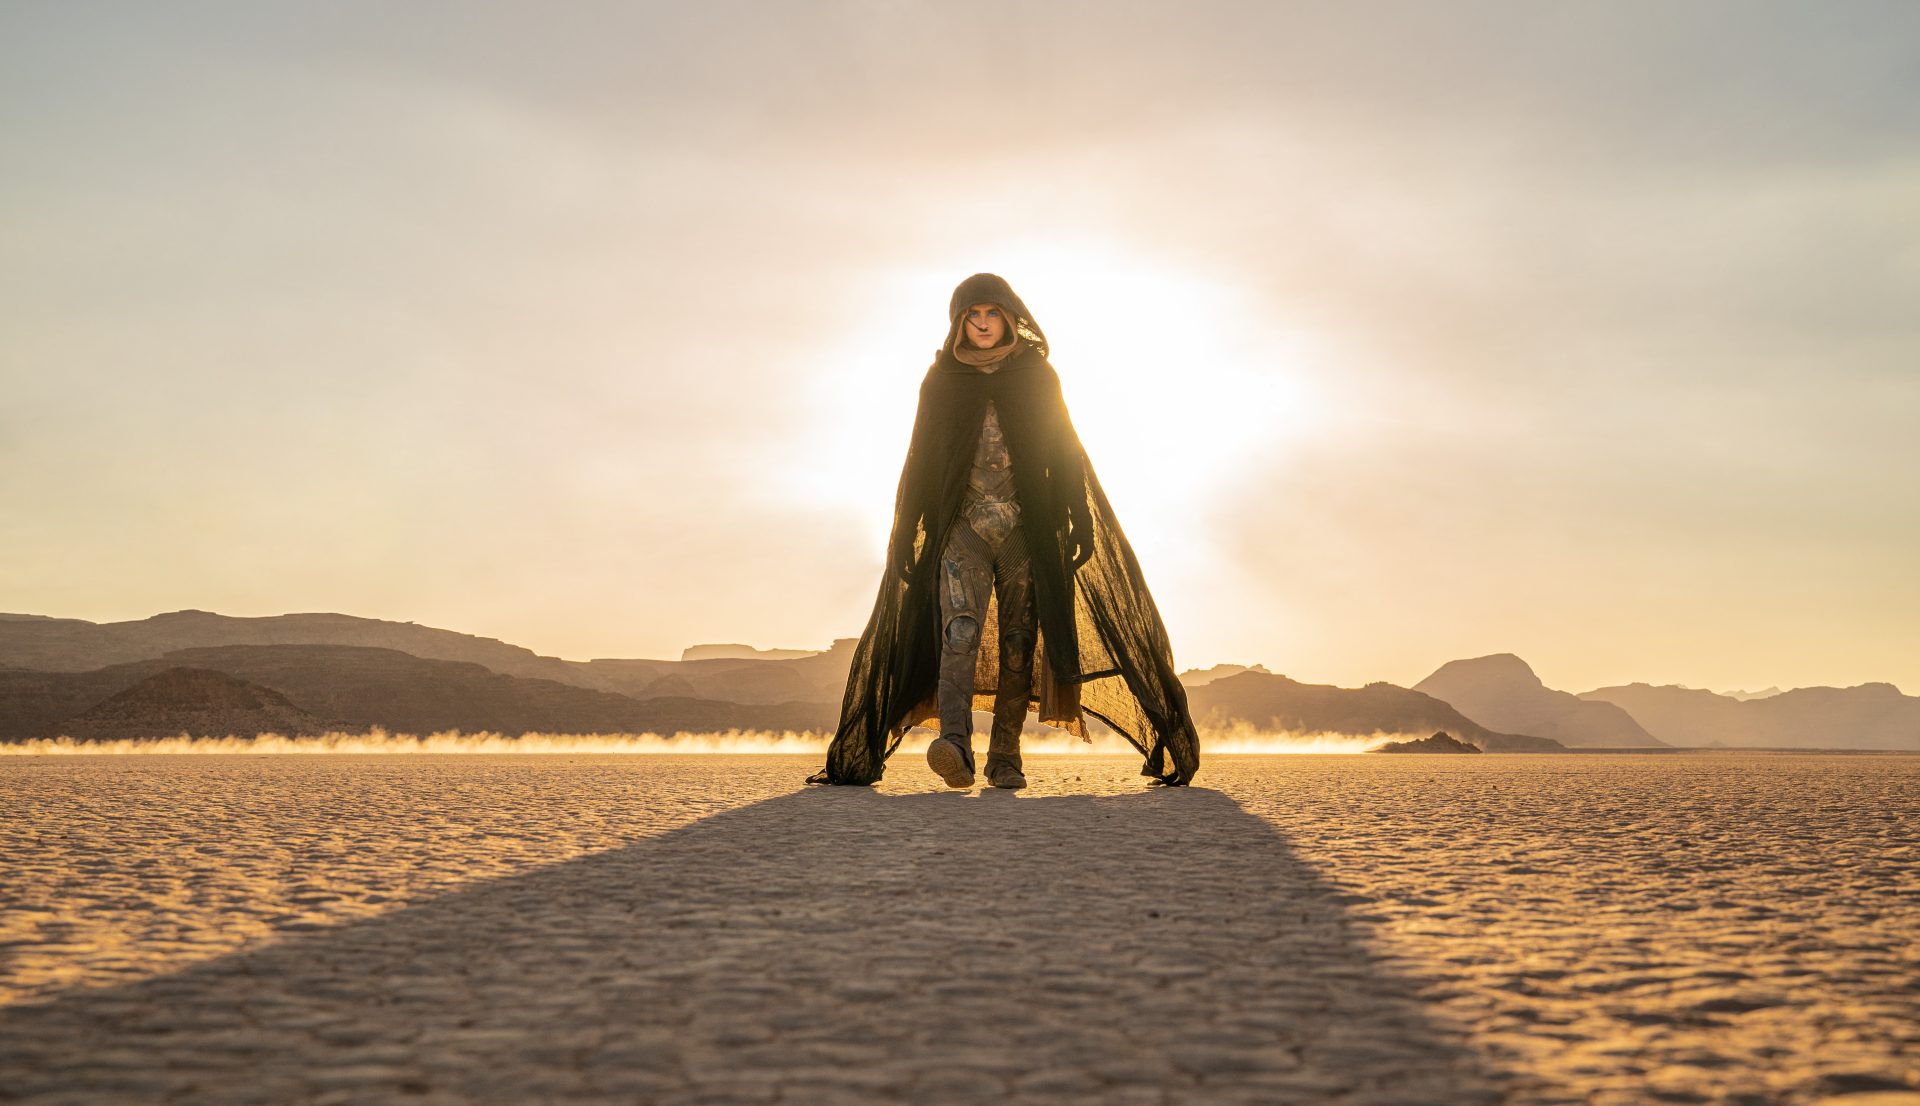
(1002, 533)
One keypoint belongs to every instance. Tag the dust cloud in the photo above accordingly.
(1237, 739)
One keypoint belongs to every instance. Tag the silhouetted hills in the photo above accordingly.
(347, 673)
(734, 651)
(811, 677)
(75, 645)
(353, 688)
(1441, 742)
(1867, 716)
(1200, 677)
(1272, 702)
(1501, 691)
(199, 701)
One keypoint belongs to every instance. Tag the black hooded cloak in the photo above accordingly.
(1102, 649)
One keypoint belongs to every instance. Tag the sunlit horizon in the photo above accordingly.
(1239, 739)
(549, 332)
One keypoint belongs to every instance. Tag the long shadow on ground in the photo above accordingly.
(834, 945)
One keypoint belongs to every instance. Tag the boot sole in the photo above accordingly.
(947, 763)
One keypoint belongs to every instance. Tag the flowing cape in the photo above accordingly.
(1102, 649)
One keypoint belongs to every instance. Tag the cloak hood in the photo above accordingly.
(1102, 650)
(988, 288)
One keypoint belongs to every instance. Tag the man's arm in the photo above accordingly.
(1070, 481)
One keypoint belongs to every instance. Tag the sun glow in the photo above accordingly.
(1173, 381)
(1176, 383)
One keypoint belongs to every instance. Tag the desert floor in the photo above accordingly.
(1735, 928)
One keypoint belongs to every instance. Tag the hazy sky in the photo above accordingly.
(1397, 333)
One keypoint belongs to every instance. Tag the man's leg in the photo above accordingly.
(966, 574)
(1013, 581)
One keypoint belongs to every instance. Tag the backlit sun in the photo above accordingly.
(1176, 385)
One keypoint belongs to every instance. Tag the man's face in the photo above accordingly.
(985, 325)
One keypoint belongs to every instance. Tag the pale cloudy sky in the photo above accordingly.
(1398, 332)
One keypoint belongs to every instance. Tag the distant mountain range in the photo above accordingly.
(1199, 677)
(1276, 703)
(733, 652)
(714, 672)
(1501, 691)
(210, 674)
(352, 688)
(1869, 716)
(202, 701)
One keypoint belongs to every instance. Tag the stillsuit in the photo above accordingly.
(986, 553)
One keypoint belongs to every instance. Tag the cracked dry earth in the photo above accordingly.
(1719, 928)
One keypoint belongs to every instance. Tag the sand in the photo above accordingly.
(1328, 929)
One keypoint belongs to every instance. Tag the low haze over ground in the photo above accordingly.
(1398, 333)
